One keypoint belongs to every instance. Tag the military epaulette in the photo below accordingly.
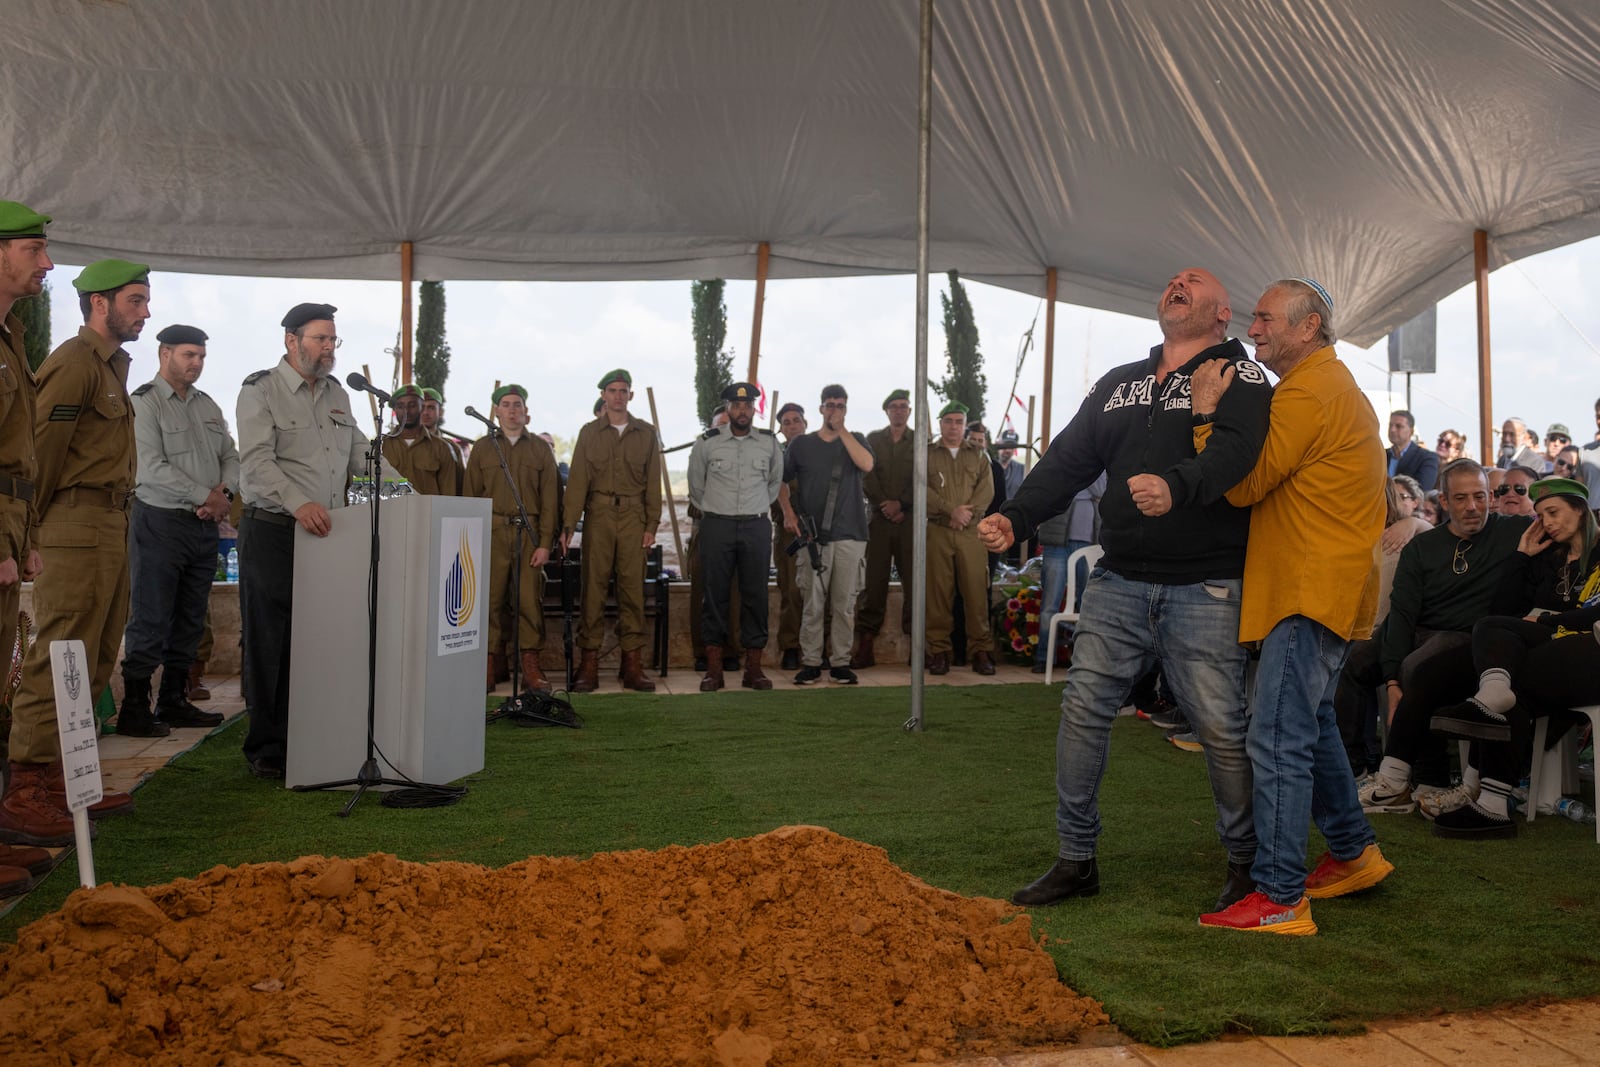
(256, 377)
(143, 389)
(762, 432)
(709, 434)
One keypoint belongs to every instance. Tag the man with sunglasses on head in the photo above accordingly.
(1511, 495)
(1444, 582)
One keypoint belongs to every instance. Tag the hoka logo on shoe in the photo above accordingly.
(1281, 917)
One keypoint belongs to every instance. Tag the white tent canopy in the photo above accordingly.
(1358, 141)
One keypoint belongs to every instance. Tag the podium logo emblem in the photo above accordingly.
(461, 586)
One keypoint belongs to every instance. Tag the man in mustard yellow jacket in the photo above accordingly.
(1310, 587)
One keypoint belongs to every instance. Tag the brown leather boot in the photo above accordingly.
(633, 676)
(14, 881)
(36, 861)
(198, 690)
(862, 657)
(27, 815)
(753, 678)
(110, 802)
(982, 663)
(496, 671)
(587, 678)
(532, 677)
(713, 679)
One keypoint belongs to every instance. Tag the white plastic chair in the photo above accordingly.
(1092, 554)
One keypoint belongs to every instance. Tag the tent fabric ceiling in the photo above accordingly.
(1358, 141)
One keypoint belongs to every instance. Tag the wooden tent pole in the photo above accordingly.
(1049, 354)
(405, 312)
(763, 252)
(1480, 275)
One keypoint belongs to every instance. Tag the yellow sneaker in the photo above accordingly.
(1335, 878)
(1257, 914)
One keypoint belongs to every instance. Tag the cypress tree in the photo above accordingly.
(713, 366)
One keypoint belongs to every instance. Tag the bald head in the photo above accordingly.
(1194, 307)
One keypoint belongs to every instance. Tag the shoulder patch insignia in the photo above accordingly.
(65, 413)
(143, 389)
(256, 377)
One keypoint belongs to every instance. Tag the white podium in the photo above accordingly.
(433, 640)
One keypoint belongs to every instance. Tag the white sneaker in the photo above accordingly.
(1435, 802)
(1378, 797)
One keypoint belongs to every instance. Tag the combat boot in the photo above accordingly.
(135, 719)
(587, 679)
(174, 709)
(27, 815)
(753, 676)
(633, 676)
(862, 657)
(198, 690)
(532, 677)
(713, 679)
(111, 802)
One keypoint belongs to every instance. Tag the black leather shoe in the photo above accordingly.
(182, 713)
(791, 660)
(1068, 878)
(268, 767)
(938, 663)
(1238, 885)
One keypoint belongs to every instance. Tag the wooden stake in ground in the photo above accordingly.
(666, 479)
(372, 401)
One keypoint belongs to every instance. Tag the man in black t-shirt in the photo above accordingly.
(826, 469)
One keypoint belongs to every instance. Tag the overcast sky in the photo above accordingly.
(556, 338)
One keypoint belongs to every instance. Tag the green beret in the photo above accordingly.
(1545, 487)
(178, 334)
(108, 274)
(504, 390)
(955, 407)
(618, 375)
(19, 220)
(430, 393)
(301, 314)
(741, 391)
(408, 390)
(898, 394)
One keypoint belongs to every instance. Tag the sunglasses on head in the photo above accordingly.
(1502, 490)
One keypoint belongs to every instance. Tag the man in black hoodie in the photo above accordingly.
(1167, 588)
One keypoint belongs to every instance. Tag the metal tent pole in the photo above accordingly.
(919, 477)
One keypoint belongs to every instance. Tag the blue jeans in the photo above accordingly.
(1124, 629)
(1053, 586)
(1301, 771)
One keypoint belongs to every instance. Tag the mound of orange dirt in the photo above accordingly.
(794, 947)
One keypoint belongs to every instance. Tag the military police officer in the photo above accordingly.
(188, 476)
(615, 484)
(516, 578)
(734, 474)
(422, 457)
(888, 487)
(960, 486)
(299, 444)
(731, 653)
(83, 434)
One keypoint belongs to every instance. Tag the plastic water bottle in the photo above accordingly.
(233, 564)
(222, 568)
(1575, 810)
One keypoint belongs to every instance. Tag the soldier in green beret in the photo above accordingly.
(433, 422)
(423, 458)
(615, 484)
(888, 486)
(84, 442)
(516, 563)
(960, 485)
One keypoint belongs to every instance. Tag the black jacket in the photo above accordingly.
(1129, 425)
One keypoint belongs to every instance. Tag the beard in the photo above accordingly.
(1195, 319)
(123, 328)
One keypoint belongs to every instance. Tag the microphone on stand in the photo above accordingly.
(358, 381)
(475, 413)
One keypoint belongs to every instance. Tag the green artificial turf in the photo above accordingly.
(968, 805)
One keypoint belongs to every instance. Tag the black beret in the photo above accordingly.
(791, 406)
(301, 314)
(179, 334)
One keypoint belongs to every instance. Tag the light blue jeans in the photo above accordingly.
(1053, 586)
(1301, 771)
(1125, 628)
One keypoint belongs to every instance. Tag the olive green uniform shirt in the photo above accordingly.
(16, 438)
(298, 444)
(533, 465)
(893, 469)
(83, 428)
(608, 463)
(185, 449)
(428, 462)
(965, 478)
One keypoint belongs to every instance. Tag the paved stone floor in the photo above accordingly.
(1566, 1032)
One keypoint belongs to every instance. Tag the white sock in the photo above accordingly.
(1492, 799)
(1396, 773)
(1470, 779)
(1494, 693)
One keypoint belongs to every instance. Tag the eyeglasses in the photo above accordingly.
(1458, 562)
(1559, 437)
(834, 405)
(323, 339)
(1564, 463)
(1406, 496)
(1502, 490)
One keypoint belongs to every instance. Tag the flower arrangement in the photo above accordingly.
(1016, 623)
